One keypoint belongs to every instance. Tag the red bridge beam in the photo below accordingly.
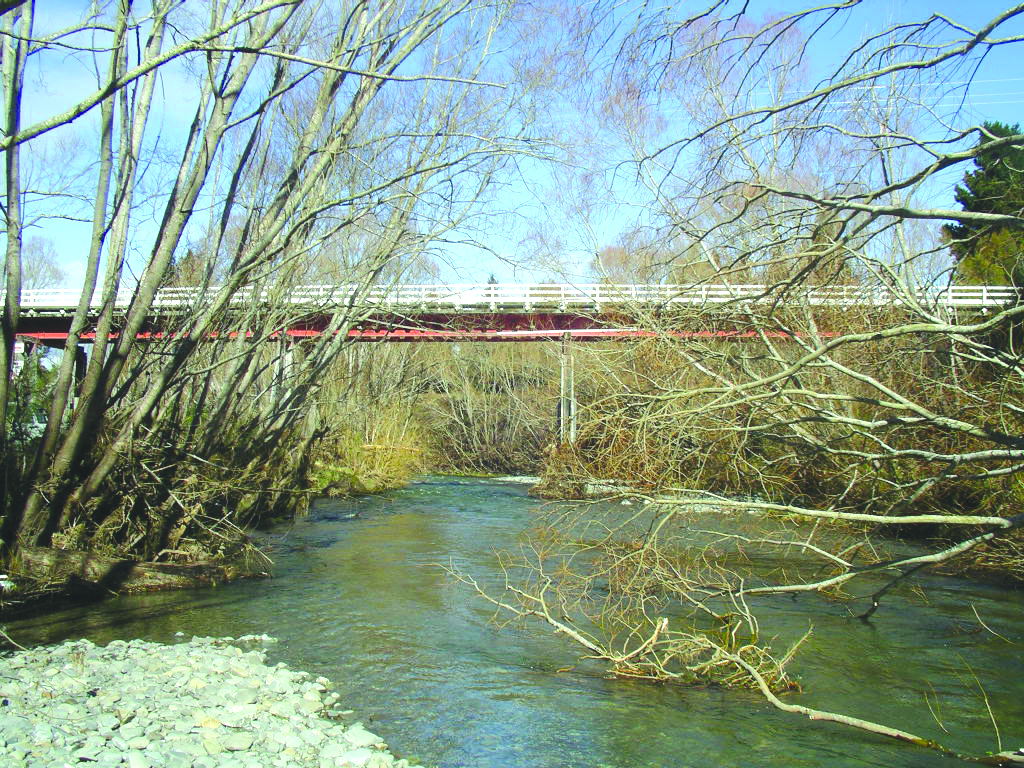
(410, 335)
(435, 327)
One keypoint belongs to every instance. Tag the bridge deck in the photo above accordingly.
(488, 312)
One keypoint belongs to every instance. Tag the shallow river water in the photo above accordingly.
(363, 601)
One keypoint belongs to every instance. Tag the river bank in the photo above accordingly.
(203, 703)
(39, 577)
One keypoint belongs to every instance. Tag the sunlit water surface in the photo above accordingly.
(363, 601)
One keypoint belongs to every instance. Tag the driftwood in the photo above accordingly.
(88, 571)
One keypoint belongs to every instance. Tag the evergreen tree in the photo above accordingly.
(985, 254)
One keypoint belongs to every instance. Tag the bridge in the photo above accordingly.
(492, 312)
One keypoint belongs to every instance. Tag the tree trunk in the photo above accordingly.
(75, 571)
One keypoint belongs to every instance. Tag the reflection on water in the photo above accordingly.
(364, 602)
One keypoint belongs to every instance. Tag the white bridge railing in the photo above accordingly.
(541, 297)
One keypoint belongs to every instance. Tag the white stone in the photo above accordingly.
(238, 742)
(312, 736)
(332, 751)
(310, 707)
(358, 736)
(245, 695)
(355, 757)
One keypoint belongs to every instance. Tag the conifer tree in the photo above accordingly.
(986, 254)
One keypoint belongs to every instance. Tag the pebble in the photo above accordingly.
(238, 742)
(358, 757)
(358, 736)
(201, 703)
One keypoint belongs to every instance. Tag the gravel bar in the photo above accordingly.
(205, 703)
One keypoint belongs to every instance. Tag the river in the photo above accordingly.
(358, 596)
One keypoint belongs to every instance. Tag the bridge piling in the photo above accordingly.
(81, 366)
(280, 386)
(567, 393)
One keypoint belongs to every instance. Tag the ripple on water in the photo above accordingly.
(362, 601)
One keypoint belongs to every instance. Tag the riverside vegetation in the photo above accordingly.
(307, 159)
(647, 423)
(387, 413)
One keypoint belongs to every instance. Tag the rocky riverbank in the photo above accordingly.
(204, 703)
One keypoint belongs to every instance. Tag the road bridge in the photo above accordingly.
(492, 312)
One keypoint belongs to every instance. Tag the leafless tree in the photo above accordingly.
(40, 265)
(365, 131)
(490, 407)
(891, 410)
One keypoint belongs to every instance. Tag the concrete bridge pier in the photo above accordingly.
(82, 351)
(81, 362)
(567, 393)
(280, 386)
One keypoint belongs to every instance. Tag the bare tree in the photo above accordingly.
(889, 409)
(40, 265)
(490, 407)
(366, 131)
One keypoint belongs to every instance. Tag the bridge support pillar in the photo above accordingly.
(82, 354)
(567, 393)
(280, 386)
(81, 363)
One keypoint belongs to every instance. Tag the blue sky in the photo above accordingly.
(995, 92)
(526, 207)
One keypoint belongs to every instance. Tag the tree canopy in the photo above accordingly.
(989, 254)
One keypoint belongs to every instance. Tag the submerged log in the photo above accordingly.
(88, 571)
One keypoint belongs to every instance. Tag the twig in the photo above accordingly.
(5, 636)
(988, 628)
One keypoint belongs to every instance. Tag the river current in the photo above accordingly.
(358, 596)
